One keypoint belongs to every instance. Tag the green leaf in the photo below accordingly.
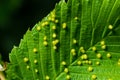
(78, 40)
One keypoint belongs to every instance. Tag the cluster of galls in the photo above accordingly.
(83, 58)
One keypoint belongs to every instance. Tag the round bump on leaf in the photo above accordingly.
(47, 77)
(68, 77)
(79, 62)
(43, 24)
(38, 28)
(102, 42)
(56, 21)
(94, 77)
(63, 63)
(103, 47)
(45, 38)
(66, 70)
(119, 63)
(97, 63)
(49, 18)
(45, 43)
(76, 18)
(28, 67)
(90, 69)
(25, 59)
(74, 41)
(46, 22)
(89, 62)
(35, 61)
(72, 50)
(110, 79)
(54, 27)
(94, 48)
(64, 25)
(54, 47)
(54, 35)
(82, 50)
(53, 19)
(110, 27)
(86, 61)
(99, 55)
(57, 41)
(34, 50)
(36, 70)
(108, 55)
(84, 56)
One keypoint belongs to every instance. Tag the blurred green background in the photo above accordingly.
(16, 16)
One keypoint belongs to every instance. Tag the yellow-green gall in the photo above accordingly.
(25, 59)
(45, 38)
(94, 48)
(45, 43)
(90, 69)
(103, 46)
(66, 70)
(76, 18)
(97, 63)
(74, 41)
(89, 62)
(49, 18)
(63, 63)
(54, 35)
(119, 63)
(79, 62)
(36, 70)
(54, 27)
(72, 50)
(53, 15)
(43, 24)
(68, 77)
(86, 61)
(110, 79)
(47, 77)
(84, 56)
(102, 42)
(99, 55)
(34, 50)
(35, 61)
(38, 28)
(56, 21)
(55, 42)
(53, 19)
(54, 47)
(94, 77)
(108, 55)
(64, 25)
(46, 22)
(82, 50)
(28, 67)
(110, 27)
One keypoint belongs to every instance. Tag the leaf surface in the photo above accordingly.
(78, 40)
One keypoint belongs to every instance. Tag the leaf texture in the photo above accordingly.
(78, 40)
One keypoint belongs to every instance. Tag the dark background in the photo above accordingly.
(16, 16)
